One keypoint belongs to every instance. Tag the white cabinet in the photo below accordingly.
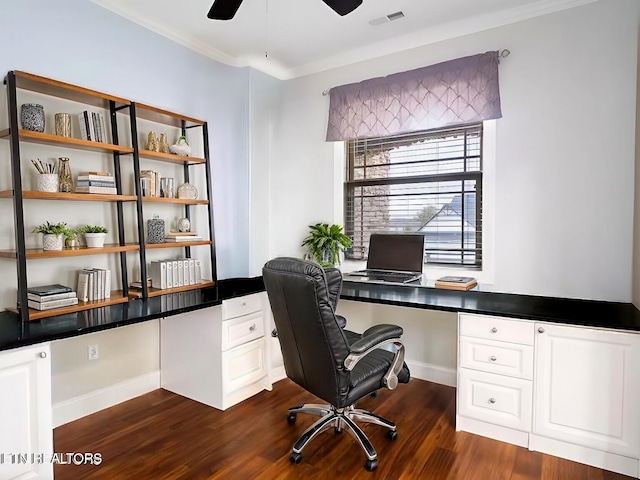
(588, 392)
(25, 413)
(495, 373)
(216, 355)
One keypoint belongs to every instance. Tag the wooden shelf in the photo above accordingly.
(33, 253)
(47, 86)
(177, 244)
(48, 139)
(169, 157)
(184, 201)
(155, 292)
(79, 197)
(159, 115)
(116, 298)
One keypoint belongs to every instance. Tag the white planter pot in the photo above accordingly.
(52, 242)
(95, 240)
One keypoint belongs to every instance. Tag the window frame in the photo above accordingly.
(352, 147)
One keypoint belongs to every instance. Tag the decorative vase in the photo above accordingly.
(184, 225)
(163, 144)
(95, 240)
(32, 117)
(52, 242)
(152, 142)
(48, 182)
(72, 242)
(186, 190)
(64, 172)
(155, 230)
(181, 147)
(63, 124)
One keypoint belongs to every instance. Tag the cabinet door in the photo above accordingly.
(25, 413)
(587, 388)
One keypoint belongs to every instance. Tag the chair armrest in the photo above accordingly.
(373, 338)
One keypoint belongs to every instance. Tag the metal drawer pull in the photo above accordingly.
(493, 358)
(43, 354)
(494, 330)
(252, 328)
(541, 330)
(492, 400)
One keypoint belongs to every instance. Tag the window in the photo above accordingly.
(428, 182)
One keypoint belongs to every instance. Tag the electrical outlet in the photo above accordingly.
(93, 352)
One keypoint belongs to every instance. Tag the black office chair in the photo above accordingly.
(339, 366)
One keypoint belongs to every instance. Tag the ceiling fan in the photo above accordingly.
(226, 9)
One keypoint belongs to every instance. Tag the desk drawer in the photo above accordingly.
(236, 307)
(495, 399)
(496, 328)
(503, 358)
(242, 366)
(242, 330)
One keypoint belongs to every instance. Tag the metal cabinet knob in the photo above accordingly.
(252, 328)
(43, 354)
(493, 358)
(540, 330)
(492, 400)
(494, 330)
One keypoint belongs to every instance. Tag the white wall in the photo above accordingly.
(565, 150)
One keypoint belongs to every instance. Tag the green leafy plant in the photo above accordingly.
(92, 229)
(52, 228)
(325, 244)
(71, 233)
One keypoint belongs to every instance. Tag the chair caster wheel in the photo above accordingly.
(371, 465)
(337, 431)
(291, 418)
(295, 457)
(392, 434)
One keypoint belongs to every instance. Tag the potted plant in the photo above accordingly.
(325, 244)
(71, 239)
(94, 235)
(52, 235)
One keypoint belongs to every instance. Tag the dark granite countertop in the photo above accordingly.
(14, 333)
(588, 313)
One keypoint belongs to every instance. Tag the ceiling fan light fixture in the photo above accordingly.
(343, 7)
(223, 9)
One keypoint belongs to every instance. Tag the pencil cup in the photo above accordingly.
(48, 182)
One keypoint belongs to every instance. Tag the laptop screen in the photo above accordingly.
(404, 252)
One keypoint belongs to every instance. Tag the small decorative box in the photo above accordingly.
(155, 230)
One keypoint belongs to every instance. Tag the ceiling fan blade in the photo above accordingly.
(223, 9)
(342, 7)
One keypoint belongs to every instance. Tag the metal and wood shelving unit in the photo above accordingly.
(17, 80)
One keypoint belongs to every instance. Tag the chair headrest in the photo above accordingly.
(296, 266)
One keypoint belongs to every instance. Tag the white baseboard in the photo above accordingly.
(423, 371)
(432, 373)
(92, 402)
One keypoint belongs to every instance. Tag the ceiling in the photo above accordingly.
(291, 38)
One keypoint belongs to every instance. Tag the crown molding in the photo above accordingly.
(185, 40)
(420, 38)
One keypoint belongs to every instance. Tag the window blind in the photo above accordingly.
(426, 182)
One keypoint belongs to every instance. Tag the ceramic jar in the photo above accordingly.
(48, 182)
(186, 190)
(52, 242)
(181, 147)
(32, 117)
(184, 225)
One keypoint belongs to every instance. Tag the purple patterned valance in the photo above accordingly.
(459, 91)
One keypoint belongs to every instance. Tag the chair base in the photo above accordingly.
(339, 419)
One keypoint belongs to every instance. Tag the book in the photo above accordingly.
(152, 177)
(101, 190)
(95, 183)
(179, 234)
(48, 298)
(96, 178)
(100, 174)
(83, 286)
(158, 274)
(456, 283)
(65, 302)
(194, 238)
(45, 290)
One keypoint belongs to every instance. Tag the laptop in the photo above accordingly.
(395, 258)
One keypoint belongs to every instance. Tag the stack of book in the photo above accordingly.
(47, 297)
(175, 273)
(137, 285)
(150, 183)
(181, 237)
(96, 182)
(456, 283)
(92, 126)
(94, 284)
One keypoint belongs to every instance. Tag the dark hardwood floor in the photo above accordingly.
(165, 436)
